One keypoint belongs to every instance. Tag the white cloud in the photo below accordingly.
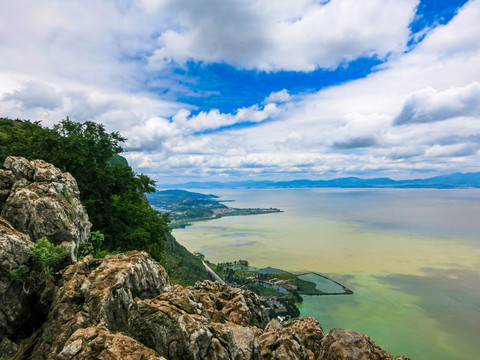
(429, 105)
(213, 119)
(119, 111)
(284, 35)
(34, 95)
(278, 97)
(349, 129)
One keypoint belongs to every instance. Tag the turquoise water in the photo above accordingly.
(411, 256)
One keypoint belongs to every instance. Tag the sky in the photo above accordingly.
(230, 90)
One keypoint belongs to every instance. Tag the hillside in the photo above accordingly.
(451, 181)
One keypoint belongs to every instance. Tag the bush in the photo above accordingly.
(44, 258)
(92, 247)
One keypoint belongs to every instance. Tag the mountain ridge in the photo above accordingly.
(449, 181)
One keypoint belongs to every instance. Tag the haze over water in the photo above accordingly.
(411, 256)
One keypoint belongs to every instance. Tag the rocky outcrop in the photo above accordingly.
(351, 345)
(208, 321)
(41, 201)
(296, 340)
(100, 343)
(99, 291)
(15, 303)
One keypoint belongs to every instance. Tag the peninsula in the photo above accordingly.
(185, 207)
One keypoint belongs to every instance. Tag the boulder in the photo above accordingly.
(351, 345)
(298, 339)
(207, 321)
(98, 291)
(20, 166)
(44, 202)
(100, 343)
(123, 306)
(14, 247)
(15, 302)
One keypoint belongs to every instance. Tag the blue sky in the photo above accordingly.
(255, 89)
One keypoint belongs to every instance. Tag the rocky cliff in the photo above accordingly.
(41, 201)
(124, 306)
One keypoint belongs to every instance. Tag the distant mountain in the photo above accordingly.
(452, 181)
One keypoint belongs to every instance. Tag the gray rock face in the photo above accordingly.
(8, 348)
(14, 247)
(99, 343)
(7, 179)
(296, 340)
(208, 321)
(351, 345)
(99, 291)
(14, 301)
(43, 201)
(20, 166)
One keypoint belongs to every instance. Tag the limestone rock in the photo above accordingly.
(20, 166)
(351, 345)
(100, 343)
(7, 179)
(296, 340)
(100, 291)
(15, 303)
(14, 247)
(208, 321)
(45, 172)
(223, 303)
(43, 201)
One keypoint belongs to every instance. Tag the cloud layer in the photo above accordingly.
(284, 35)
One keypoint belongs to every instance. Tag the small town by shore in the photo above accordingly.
(185, 207)
(278, 289)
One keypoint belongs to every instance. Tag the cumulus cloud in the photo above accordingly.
(284, 35)
(429, 105)
(119, 111)
(213, 119)
(360, 132)
(34, 94)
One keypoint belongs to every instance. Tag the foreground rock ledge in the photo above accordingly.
(123, 307)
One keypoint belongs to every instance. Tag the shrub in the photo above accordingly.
(44, 258)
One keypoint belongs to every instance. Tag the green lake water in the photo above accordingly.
(322, 283)
(411, 257)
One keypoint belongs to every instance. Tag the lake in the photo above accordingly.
(411, 256)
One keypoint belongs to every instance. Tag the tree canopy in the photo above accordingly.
(111, 191)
